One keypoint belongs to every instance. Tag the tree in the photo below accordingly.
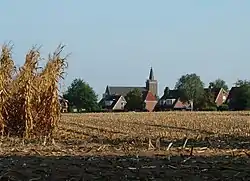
(240, 83)
(218, 83)
(191, 88)
(81, 96)
(241, 96)
(134, 100)
(206, 102)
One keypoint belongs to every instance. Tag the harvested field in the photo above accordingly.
(135, 146)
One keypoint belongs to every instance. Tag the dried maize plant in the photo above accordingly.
(20, 112)
(6, 73)
(48, 105)
(32, 102)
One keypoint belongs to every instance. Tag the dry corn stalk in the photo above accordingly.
(6, 73)
(29, 104)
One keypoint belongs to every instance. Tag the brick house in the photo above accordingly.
(220, 95)
(149, 94)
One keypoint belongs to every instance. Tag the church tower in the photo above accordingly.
(152, 84)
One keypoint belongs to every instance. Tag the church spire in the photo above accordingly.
(151, 83)
(151, 74)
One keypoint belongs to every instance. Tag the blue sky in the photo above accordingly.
(115, 42)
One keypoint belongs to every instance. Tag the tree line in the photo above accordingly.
(81, 95)
(191, 88)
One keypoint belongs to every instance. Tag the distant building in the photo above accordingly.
(113, 103)
(172, 102)
(220, 95)
(64, 103)
(114, 96)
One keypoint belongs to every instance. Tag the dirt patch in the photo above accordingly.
(124, 168)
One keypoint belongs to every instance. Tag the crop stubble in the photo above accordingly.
(129, 146)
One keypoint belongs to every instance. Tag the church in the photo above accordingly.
(114, 96)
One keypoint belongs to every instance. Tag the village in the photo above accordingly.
(114, 98)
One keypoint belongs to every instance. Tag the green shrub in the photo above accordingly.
(211, 108)
(223, 107)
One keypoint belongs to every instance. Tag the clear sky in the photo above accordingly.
(115, 42)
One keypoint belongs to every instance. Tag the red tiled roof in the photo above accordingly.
(150, 96)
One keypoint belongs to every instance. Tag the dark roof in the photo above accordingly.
(232, 92)
(173, 94)
(123, 90)
(151, 74)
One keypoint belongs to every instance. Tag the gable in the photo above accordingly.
(150, 97)
(221, 97)
(180, 105)
(123, 99)
(109, 101)
(120, 104)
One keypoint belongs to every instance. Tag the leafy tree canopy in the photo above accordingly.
(218, 83)
(240, 83)
(206, 101)
(190, 87)
(134, 100)
(81, 95)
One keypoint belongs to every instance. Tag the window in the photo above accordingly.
(169, 101)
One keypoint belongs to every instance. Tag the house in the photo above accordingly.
(172, 102)
(149, 93)
(64, 103)
(220, 95)
(118, 102)
(113, 103)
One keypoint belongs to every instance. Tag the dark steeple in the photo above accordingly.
(151, 74)
(151, 83)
